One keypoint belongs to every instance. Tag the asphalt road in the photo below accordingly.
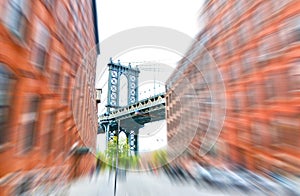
(142, 184)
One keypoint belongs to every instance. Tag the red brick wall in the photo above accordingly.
(17, 57)
(269, 56)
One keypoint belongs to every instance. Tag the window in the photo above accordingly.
(290, 31)
(229, 46)
(274, 134)
(243, 136)
(245, 31)
(237, 102)
(55, 68)
(270, 87)
(41, 45)
(214, 30)
(278, 5)
(40, 56)
(49, 132)
(74, 10)
(257, 131)
(257, 19)
(240, 7)
(223, 3)
(214, 7)
(62, 26)
(62, 147)
(208, 13)
(263, 11)
(65, 96)
(267, 46)
(81, 6)
(219, 51)
(251, 95)
(247, 61)
(6, 82)
(240, 35)
(16, 17)
(264, 47)
(294, 77)
(286, 131)
(29, 121)
(49, 4)
(234, 72)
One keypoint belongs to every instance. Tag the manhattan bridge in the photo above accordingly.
(134, 114)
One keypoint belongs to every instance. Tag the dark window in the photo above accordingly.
(39, 56)
(6, 82)
(285, 132)
(234, 72)
(29, 135)
(74, 10)
(41, 45)
(49, 4)
(251, 95)
(229, 46)
(290, 31)
(16, 17)
(243, 34)
(55, 67)
(239, 7)
(248, 60)
(29, 123)
(66, 88)
(270, 88)
(227, 20)
(294, 77)
(61, 146)
(55, 80)
(48, 139)
(257, 129)
(278, 5)
(236, 102)
(257, 18)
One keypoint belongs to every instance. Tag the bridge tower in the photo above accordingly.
(116, 70)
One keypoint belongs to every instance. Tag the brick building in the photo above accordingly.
(47, 94)
(254, 46)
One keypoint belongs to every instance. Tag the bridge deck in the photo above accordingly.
(144, 107)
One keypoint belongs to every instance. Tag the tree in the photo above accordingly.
(159, 157)
(125, 159)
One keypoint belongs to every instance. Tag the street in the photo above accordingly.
(142, 184)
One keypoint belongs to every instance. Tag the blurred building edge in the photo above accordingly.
(255, 45)
(47, 92)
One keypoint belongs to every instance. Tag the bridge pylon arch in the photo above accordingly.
(116, 70)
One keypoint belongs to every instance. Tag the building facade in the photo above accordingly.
(47, 92)
(254, 46)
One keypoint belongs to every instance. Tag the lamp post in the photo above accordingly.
(117, 157)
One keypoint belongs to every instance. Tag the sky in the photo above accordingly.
(118, 15)
(115, 16)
